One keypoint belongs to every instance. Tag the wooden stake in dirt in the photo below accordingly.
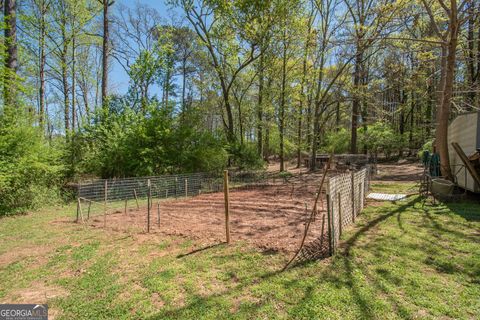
(227, 205)
(136, 199)
(148, 204)
(329, 222)
(80, 209)
(158, 214)
(126, 202)
(186, 188)
(105, 205)
(323, 228)
(89, 206)
(312, 214)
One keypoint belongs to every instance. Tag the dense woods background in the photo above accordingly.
(228, 82)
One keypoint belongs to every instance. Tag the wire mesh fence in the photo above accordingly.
(104, 197)
(346, 198)
(267, 209)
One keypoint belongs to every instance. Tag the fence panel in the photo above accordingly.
(346, 194)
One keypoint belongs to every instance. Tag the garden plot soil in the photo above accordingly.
(271, 217)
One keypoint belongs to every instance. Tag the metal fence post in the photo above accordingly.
(227, 205)
(149, 195)
(105, 203)
(176, 187)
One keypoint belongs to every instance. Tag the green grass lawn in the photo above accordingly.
(401, 260)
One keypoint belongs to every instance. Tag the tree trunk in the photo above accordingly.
(167, 87)
(42, 62)
(184, 82)
(316, 114)
(410, 138)
(470, 61)
(356, 100)
(105, 53)
(64, 70)
(281, 123)
(441, 134)
(337, 117)
(302, 102)
(74, 102)
(260, 107)
(10, 18)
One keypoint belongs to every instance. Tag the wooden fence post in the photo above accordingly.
(339, 195)
(176, 187)
(105, 204)
(158, 214)
(136, 198)
(353, 195)
(360, 202)
(329, 222)
(78, 210)
(186, 188)
(89, 206)
(227, 205)
(149, 195)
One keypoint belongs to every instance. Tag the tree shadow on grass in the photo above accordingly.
(455, 225)
(369, 287)
(467, 209)
(349, 263)
(198, 250)
(200, 306)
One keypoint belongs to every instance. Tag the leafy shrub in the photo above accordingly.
(289, 148)
(130, 143)
(337, 141)
(30, 169)
(380, 137)
(245, 156)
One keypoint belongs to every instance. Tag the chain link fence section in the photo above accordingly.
(345, 200)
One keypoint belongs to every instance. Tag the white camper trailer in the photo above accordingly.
(464, 130)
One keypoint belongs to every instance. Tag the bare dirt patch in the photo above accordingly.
(399, 171)
(37, 292)
(37, 253)
(271, 217)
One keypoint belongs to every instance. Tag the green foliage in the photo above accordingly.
(337, 141)
(380, 137)
(245, 156)
(289, 148)
(129, 143)
(428, 146)
(30, 170)
(400, 260)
